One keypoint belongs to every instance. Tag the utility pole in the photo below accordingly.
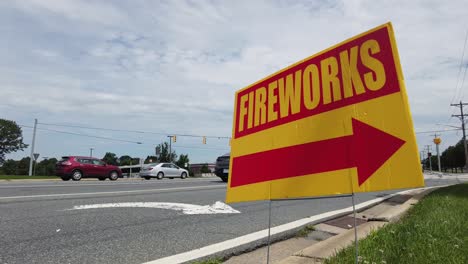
(423, 154)
(170, 151)
(429, 155)
(462, 118)
(32, 149)
(91, 152)
(437, 142)
(130, 174)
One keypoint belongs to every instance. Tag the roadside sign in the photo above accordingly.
(36, 156)
(337, 122)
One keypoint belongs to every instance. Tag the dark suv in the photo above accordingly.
(222, 167)
(75, 168)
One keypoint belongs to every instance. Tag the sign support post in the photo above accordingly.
(269, 231)
(355, 230)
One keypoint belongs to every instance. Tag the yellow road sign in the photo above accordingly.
(335, 123)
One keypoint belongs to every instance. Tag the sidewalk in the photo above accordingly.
(333, 235)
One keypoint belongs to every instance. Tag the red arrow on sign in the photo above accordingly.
(367, 149)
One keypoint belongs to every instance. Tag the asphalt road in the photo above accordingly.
(37, 225)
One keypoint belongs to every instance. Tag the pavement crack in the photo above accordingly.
(378, 219)
(319, 259)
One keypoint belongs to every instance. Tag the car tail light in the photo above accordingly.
(66, 163)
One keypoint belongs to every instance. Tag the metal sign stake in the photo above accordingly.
(355, 230)
(269, 230)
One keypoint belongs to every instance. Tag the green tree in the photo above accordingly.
(165, 156)
(11, 138)
(46, 167)
(204, 169)
(126, 160)
(23, 166)
(10, 167)
(110, 158)
(453, 156)
(182, 161)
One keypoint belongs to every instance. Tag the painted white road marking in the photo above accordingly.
(190, 209)
(116, 192)
(90, 183)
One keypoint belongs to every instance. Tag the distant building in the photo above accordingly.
(196, 167)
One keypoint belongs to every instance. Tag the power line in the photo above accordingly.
(457, 88)
(135, 131)
(438, 131)
(460, 69)
(178, 146)
(116, 139)
(84, 135)
(189, 147)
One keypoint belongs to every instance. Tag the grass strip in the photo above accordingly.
(435, 230)
(25, 177)
(210, 261)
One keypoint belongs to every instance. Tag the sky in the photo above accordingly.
(173, 67)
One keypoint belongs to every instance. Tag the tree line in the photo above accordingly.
(163, 156)
(452, 159)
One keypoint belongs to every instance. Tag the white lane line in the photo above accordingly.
(189, 209)
(138, 182)
(116, 192)
(235, 242)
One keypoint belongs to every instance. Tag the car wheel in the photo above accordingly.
(113, 176)
(102, 178)
(183, 175)
(65, 178)
(77, 175)
(160, 175)
(147, 178)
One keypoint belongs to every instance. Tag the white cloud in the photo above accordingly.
(76, 10)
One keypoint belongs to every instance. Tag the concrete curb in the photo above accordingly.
(322, 250)
(327, 248)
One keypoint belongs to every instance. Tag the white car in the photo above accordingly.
(161, 170)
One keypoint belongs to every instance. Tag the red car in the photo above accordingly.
(75, 168)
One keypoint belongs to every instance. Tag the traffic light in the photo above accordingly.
(204, 140)
(174, 138)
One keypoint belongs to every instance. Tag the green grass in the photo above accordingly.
(20, 177)
(305, 231)
(210, 261)
(434, 231)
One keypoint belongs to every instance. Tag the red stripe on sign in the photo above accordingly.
(357, 150)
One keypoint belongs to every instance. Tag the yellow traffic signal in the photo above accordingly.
(174, 138)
